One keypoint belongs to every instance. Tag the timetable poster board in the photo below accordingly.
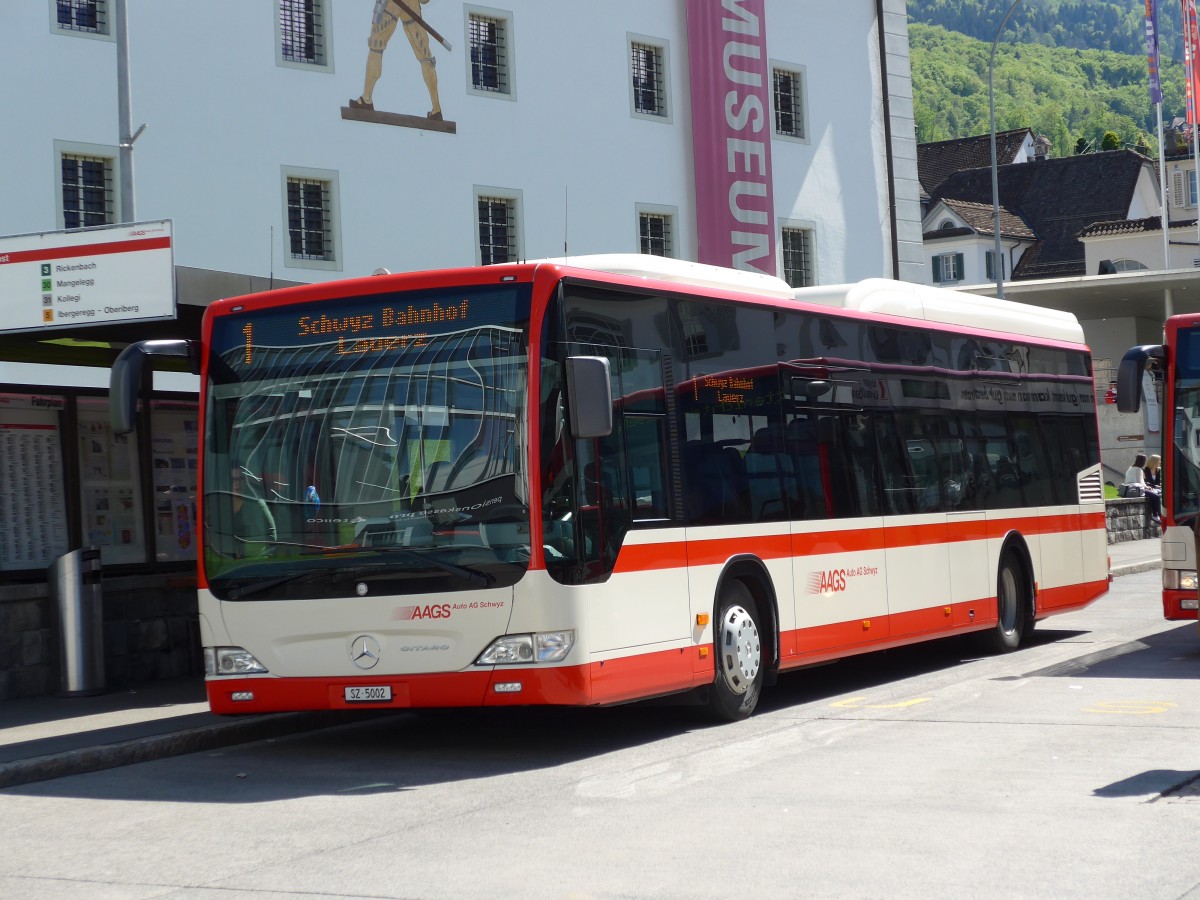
(175, 444)
(111, 502)
(33, 514)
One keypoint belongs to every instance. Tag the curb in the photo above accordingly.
(1134, 568)
(192, 740)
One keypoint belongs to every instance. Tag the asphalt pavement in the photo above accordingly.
(52, 737)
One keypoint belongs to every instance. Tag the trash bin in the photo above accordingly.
(76, 591)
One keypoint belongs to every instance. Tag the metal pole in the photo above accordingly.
(126, 137)
(1195, 174)
(998, 263)
(1162, 187)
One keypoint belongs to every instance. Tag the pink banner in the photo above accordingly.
(731, 133)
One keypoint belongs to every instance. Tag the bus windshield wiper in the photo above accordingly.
(257, 587)
(483, 579)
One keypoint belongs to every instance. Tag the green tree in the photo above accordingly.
(1111, 141)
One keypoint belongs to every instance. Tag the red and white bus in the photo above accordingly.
(593, 481)
(1177, 360)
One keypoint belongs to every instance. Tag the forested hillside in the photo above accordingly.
(1077, 24)
(1062, 92)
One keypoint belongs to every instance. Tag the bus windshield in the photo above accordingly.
(368, 445)
(1185, 483)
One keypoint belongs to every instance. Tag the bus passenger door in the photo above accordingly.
(626, 512)
(841, 596)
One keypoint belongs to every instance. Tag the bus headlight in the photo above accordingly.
(230, 661)
(514, 649)
(1179, 580)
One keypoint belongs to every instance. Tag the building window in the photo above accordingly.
(311, 202)
(489, 36)
(1183, 188)
(649, 78)
(303, 39)
(787, 86)
(84, 16)
(656, 233)
(1128, 265)
(309, 228)
(948, 267)
(798, 269)
(497, 220)
(87, 194)
(990, 265)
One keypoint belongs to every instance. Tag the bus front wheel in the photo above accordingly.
(1012, 604)
(737, 644)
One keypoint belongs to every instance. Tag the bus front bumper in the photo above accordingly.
(502, 686)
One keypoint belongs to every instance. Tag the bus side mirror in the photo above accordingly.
(1129, 376)
(126, 377)
(589, 394)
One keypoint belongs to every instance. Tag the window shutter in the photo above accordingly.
(937, 269)
(990, 259)
(1177, 189)
(958, 267)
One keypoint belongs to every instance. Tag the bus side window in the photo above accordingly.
(909, 471)
(1032, 467)
(768, 469)
(646, 439)
(847, 442)
(811, 465)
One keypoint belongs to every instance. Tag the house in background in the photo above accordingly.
(938, 160)
(1044, 207)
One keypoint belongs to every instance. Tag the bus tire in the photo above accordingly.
(1012, 604)
(737, 645)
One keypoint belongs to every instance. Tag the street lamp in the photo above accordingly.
(998, 262)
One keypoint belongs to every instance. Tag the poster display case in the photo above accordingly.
(33, 513)
(175, 445)
(111, 502)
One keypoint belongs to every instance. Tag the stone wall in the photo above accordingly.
(151, 631)
(1129, 521)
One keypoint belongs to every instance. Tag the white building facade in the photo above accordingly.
(304, 140)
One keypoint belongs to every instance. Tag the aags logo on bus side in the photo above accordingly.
(429, 611)
(835, 581)
(832, 582)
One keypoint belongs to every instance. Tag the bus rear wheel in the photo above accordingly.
(737, 644)
(1012, 605)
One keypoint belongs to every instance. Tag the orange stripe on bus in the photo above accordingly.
(714, 551)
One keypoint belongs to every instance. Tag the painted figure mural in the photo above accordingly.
(386, 15)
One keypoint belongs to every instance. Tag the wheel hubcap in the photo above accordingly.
(741, 650)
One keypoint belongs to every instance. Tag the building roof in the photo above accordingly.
(981, 219)
(1123, 226)
(938, 160)
(1057, 199)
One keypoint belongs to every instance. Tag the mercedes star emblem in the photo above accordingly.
(364, 651)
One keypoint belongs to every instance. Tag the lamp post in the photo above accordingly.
(126, 134)
(998, 262)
